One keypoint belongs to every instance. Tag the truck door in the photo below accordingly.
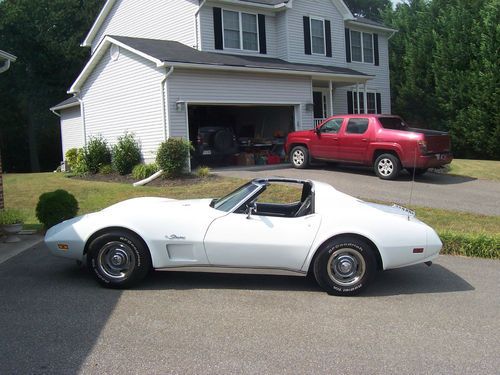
(354, 142)
(325, 145)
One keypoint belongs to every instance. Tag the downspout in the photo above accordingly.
(164, 106)
(82, 114)
(197, 46)
(330, 91)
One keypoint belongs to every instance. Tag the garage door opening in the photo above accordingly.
(239, 134)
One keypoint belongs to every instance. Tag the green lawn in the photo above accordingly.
(22, 192)
(481, 169)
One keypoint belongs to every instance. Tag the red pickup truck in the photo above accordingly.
(382, 141)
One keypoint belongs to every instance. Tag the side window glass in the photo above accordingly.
(332, 126)
(357, 126)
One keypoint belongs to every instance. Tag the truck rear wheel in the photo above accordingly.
(299, 157)
(387, 166)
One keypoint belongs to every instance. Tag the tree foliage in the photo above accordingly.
(444, 70)
(368, 8)
(45, 35)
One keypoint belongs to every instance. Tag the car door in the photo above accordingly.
(239, 240)
(354, 140)
(326, 143)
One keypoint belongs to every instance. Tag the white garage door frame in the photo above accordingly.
(297, 110)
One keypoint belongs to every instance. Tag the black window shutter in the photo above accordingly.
(262, 34)
(218, 28)
(307, 36)
(347, 45)
(328, 38)
(375, 48)
(350, 106)
(379, 103)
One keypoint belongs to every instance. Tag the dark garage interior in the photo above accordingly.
(239, 134)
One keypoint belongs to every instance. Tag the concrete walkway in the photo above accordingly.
(430, 190)
(9, 250)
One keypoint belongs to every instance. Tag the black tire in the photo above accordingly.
(118, 259)
(417, 171)
(387, 166)
(299, 157)
(345, 252)
(224, 140)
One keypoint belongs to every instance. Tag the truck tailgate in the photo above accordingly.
(437, 141)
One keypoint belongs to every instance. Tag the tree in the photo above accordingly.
(45, 36)
(368, 8)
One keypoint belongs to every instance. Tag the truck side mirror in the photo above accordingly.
(317, 130)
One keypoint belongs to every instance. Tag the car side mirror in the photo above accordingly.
(317, 131)
(251, 208)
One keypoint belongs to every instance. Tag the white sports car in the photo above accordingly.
(340, 240)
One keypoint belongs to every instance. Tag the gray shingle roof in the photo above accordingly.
(72, 100)
(175, 52)
(266, 2)
(369, 21)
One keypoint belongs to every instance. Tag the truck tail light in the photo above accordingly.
(422, 146)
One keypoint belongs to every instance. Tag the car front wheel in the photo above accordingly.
(299, 157)
(118, 259)
(344, 266)
(387, 166)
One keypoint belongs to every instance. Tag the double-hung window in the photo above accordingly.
(371, 102)
(362, 47)
(318, 36)
(240, 31)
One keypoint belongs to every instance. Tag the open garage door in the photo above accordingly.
(239, 134)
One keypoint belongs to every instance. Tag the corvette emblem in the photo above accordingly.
(175, 237)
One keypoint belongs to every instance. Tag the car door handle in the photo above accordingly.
(364, 139)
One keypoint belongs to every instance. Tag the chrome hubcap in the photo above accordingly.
(385, 167)
(346, 267)
(116, 260)
(298, 157)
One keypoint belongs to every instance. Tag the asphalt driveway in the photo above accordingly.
(429, 190)
(54, 319)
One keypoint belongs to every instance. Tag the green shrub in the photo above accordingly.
(10, 216)
(56, 206)
(126, 153)
(106, 169)
(70, 158)
(203, 172)
(471, 245)
(173, 156)
(142, 171)
(80, 167)
(97, 154)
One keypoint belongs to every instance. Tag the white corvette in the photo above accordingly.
(340, 240)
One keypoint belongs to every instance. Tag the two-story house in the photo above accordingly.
(164, 68)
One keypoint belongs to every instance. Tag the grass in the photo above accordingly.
(463, 233)
(481, 169)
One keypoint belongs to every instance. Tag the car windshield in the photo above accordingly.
(394, 123)
(230, 201)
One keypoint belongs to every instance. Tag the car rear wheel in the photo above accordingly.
(299, 157)
(387, 166)
(345, 266)
(118, 259)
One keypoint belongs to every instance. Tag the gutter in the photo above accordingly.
(5, 66)
(164, 106)
(284, 4)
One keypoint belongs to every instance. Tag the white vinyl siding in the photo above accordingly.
(125, 96)
(207, 43)
(71, 129)
(154, 19)
(318, 9)
(211, 87)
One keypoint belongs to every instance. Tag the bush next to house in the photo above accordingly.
(10, 217)
(56, 206)
(173, 156)
(142, 171)
(126, 154)
(70, 158)
(96, 154)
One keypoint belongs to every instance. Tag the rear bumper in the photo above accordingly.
(431, 161)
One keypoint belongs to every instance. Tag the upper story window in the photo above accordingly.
(318, 36)
(373, 102)
(362, 47)
(240, 30)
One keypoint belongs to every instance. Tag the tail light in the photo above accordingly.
(422, 146)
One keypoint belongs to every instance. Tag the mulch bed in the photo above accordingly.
(188, 179)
